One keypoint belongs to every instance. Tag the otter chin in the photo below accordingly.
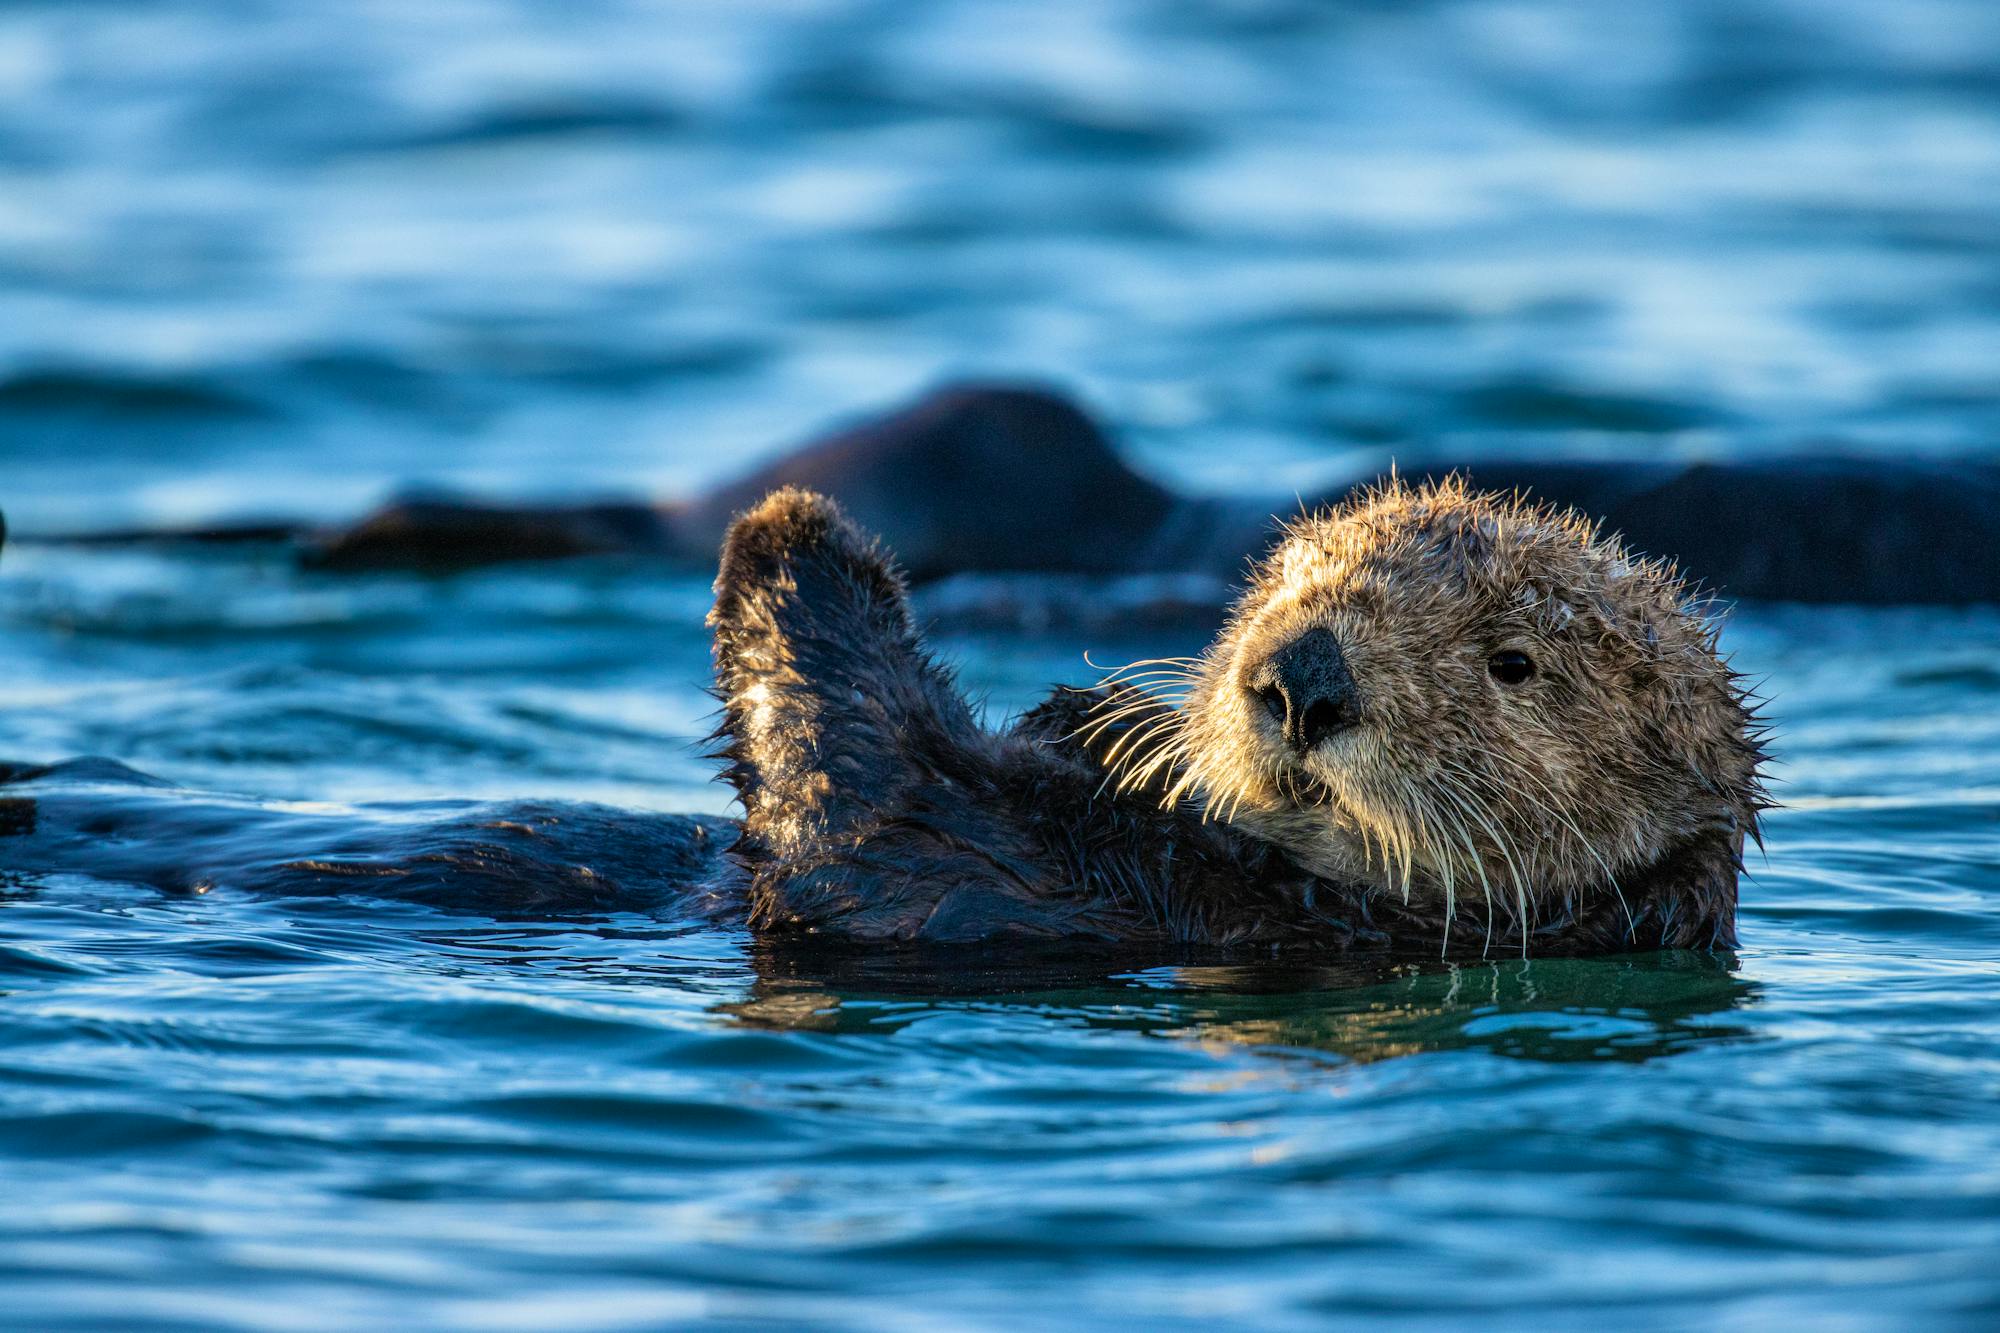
(1458, 700)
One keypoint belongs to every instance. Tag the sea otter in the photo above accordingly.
(1437, 719)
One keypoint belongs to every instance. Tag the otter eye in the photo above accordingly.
(1511, 667)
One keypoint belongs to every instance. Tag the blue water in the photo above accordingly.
(286, 259)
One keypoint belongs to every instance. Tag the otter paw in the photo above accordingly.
(794, 538)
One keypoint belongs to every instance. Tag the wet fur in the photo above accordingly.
(876, 807)
(1610, 794)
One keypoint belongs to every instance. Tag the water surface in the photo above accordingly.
(287, 259)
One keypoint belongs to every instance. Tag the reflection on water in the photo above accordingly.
(1556, 1010)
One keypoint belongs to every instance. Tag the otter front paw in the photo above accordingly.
(824, 683)
(798, 547)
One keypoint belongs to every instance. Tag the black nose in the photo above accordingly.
(1306, 686)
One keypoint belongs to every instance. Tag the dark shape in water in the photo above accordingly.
(995, 478)
(99, 818)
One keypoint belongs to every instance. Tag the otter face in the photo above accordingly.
(1456, 695)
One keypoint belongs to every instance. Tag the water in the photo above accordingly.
(286, 259)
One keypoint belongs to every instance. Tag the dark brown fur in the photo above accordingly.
(877, 808)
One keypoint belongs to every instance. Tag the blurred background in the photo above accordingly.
(288, 257)
(260, 257)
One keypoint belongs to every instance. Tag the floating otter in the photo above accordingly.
(1431, 707)
(1429, 700)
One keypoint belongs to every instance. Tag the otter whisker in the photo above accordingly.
(1139, 777)
(1189, 778)
(1135, 670)
(1125, 743)
(1462, 802)
(1463, 836)
(1559, 809)
(1450, 904)
(1112, 675)
(1409, 839)
(1398, 840)
(1134, 700)
(1108, 723)
(1369, 840)
(1144, 661)
(1408, 808)
(1175, 668)
(1105, 717)
(1457, 811)
(1128, 748)
(1477, 810)
(1147, 683)
(1169, 753)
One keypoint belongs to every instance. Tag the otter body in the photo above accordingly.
(877, 808)
(1437, 722)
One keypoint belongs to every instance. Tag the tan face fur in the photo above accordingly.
(1452, 776)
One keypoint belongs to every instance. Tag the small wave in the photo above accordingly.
(1976, 676)
(124, 395)
(1527, 404)
(91, 1133)
(27, 960)
(547, 120)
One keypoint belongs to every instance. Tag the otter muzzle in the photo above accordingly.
(1307, 687)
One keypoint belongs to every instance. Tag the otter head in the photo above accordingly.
(1453, 695)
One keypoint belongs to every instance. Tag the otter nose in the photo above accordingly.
(1307, 687)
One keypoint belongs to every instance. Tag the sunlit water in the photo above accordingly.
(261, 259)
